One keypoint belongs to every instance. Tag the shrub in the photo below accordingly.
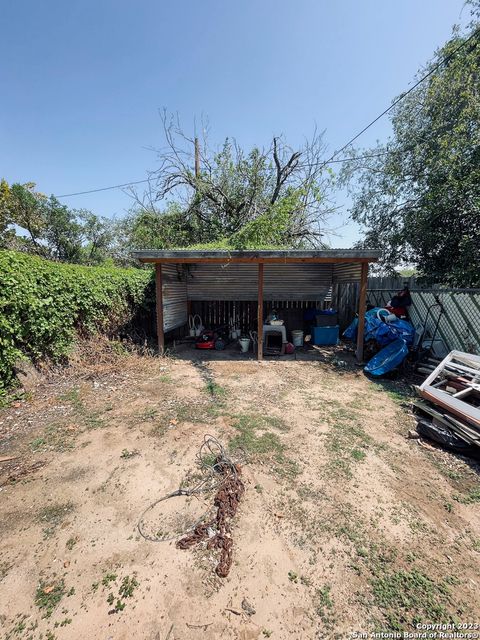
(44, 305)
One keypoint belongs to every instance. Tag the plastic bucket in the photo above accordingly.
(244, 344)
(297, 338)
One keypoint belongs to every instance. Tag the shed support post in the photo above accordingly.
(260, 311)
(159, 307)
(362, 308)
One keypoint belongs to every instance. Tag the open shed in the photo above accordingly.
(234, 280)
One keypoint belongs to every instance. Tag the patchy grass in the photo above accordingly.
(56, 437)
(90, 419)
(215, 390)
(53, 515)
(409, 597)
(471, 497)
(324, 604)
(266, 445)
(48, 595)
(347, 442)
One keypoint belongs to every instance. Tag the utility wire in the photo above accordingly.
(331, 160)
(401, 97)
(115, 186)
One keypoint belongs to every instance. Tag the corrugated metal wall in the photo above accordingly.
(346, 272)
(240, 281)
(174, 296)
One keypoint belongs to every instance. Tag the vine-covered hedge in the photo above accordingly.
(44, 305)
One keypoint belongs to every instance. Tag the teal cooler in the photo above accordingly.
(325, 335)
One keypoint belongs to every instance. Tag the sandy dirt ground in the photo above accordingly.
(346, 525)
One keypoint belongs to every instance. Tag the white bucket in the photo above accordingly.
(244, 344)
(297, 338)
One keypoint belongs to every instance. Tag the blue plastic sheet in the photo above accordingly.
(382, 332)
(389, 358)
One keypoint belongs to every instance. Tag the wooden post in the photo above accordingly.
(159, 305)
(362, 308)
(260, 311)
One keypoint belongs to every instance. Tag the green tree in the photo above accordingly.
(51, 229)
(221, 203)
(419, 197)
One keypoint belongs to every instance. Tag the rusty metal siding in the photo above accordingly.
(174, 296)
(347, 272)
(239, 281)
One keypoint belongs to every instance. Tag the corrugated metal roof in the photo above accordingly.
(188, 255)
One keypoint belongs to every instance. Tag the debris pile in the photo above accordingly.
(449, 411)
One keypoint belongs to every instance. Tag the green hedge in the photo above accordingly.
(44, 305)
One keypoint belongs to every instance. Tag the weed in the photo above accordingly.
(267, 633)
(50, 635)
(128, 586)
(258, 488)
(215, 389)
(48, 596)
(410, 597)
(107, 578)
(119, 606)
(71, 542)
(71, 592)
(292, 576)
(324, 602)
(165, 378)
(358, 454)
(129, 454)
(95, 586)
(470, 498)
(448, 506)
(63, 623)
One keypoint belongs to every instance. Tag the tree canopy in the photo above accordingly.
(235, 198)
(418, 196)
(30, 221)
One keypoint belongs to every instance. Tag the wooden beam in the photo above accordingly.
(159, 307)
(248, 260)
(260, 311)
(362, 308)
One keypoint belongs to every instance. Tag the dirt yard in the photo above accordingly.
(346, 525)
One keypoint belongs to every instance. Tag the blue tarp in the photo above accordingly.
(382, 332)
(388, 358)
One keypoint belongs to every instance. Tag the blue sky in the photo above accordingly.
(82, 81)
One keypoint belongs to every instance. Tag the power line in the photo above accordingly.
(331, 160)
(115, 186)
(128, 184)
(404, 95)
